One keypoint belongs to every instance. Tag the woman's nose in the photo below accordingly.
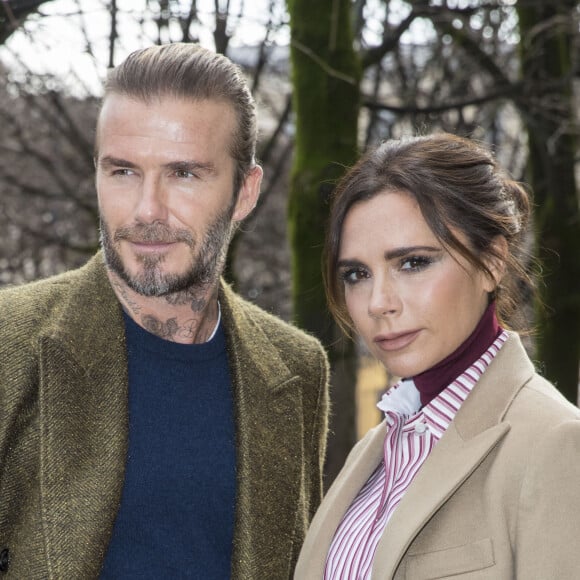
(384, 300)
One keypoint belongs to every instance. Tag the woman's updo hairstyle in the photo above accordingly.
(459, 186)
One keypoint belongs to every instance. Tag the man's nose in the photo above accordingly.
(152, 203)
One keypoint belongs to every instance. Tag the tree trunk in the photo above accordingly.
(326, 75)
(546, 55)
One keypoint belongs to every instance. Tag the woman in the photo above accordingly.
(475, 472)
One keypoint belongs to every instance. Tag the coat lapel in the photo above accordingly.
(270, 447)
(448, 466)
(83, 426)
(437, 479)
(359, 466)
(477, 428)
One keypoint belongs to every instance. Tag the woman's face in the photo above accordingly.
(412, 302)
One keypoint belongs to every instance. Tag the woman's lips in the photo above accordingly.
(395, 340)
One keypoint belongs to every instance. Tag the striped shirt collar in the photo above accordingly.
(402, 401)
(411, 436)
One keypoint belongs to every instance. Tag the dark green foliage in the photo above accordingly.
(547, 69)
(326, 75)
(326, 93)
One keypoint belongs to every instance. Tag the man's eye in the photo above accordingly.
(122, 172)
(184, 174)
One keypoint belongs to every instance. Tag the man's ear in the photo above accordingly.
(495, 261)
(248, 194)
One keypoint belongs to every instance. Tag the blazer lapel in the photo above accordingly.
(83, 425)
(448, 466)
(359, 466)
(477, 428)
(269, 446)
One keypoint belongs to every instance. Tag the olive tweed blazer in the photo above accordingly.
(498, 498)
(64, 428)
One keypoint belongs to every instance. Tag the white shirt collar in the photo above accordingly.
(219, 318)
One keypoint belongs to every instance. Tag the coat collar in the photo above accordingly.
(83, 424)
(269, 425)
(84, 431)
(359, 466)
(478, 426)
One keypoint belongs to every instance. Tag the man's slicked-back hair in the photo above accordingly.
(189, 71)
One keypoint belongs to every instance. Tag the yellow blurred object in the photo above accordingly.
(372, 380)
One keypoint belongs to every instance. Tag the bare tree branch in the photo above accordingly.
(186, 22)
(508, 92)
(12, 15)
(330, 71)
(48, 238)
(262, 53)
(220, 34)
(42, 193)
(268, 148)
(391, 41)
(112, 33)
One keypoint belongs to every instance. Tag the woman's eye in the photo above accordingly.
(354, 275)
(415, 263)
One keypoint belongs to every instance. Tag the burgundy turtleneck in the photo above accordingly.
(432, 381)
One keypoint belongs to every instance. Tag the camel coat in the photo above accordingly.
(497, 499)
(64, 428)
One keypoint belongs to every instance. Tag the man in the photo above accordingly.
(152, 423)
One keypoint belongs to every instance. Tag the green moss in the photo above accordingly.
(326, 75)
(546, 62)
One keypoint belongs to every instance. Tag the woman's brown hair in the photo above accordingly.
(459, 186)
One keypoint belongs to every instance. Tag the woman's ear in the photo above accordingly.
(495, 260)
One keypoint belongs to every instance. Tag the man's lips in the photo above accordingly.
(395, 340)
(150, 246)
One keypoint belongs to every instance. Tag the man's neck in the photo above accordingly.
(187, 318)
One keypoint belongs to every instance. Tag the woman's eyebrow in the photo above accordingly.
(406, 250)
(348, 263)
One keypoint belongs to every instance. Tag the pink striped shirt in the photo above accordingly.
(411, 435)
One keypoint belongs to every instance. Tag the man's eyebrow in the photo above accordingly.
(110, 161)
(192, 166)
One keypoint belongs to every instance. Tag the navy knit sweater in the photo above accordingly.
(177, 510)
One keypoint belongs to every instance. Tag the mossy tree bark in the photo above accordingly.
(326, 74)
(548, 70)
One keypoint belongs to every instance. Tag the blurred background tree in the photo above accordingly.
(325, 83)
(331, 79)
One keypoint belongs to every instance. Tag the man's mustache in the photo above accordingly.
(143, 233)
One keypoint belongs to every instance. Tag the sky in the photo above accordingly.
(69, 38)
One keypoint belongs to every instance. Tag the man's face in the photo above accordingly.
(165, 189)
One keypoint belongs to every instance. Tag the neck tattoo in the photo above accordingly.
(173, 328)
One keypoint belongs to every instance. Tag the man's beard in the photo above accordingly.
(203, 271)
